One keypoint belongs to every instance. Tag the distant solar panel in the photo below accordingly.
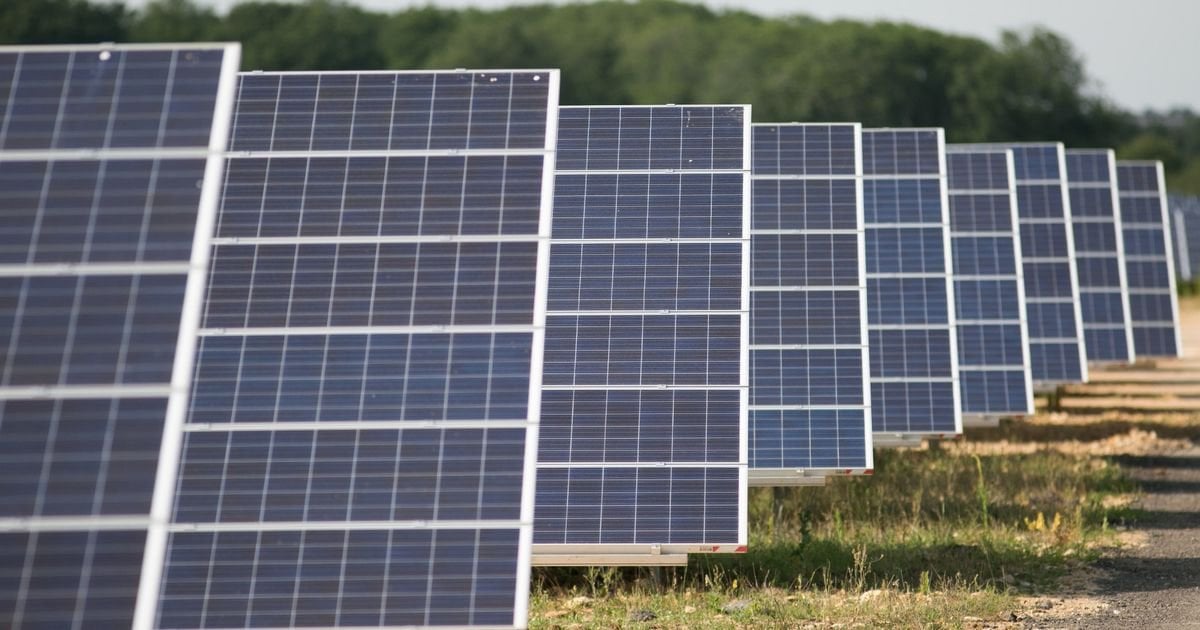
(1056, 347)
(989, 296)
(357, 449)
(1099, 255)
(1186, 232)
(1154, 307)
(809, 410)
(110, 159)
(914, 356)
(642, 451)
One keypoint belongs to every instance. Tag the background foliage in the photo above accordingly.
(1025, 86)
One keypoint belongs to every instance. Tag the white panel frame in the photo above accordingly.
(988, 420)
(154, 562)
(1164, 220)
(903, 439)
(1123, 284)
(791, 476)
(604, 554)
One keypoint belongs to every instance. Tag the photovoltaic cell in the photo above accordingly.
(993, 355)
(910, 316)
(642, 442)
(355, 450)
(1145, 234)
(1053, 314)
(809, 411)
(109, 158)
(1099, 255)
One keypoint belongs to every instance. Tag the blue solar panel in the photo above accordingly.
(993, 355)
(109, 160)
(1153, 305)
(642, 442)
(914, 357)
(809, 411)
(368, 356)
(1099, 256)
(1053, 314)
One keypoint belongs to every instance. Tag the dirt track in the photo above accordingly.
(1153, 582)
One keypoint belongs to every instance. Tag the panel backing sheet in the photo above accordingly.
(989, 295)
(910, 312)
(357, 448)
(1153, 304)
(1099, 255)
(110, 157)
(809, 390)
(642, 451)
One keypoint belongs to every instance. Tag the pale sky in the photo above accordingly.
(1142, 53)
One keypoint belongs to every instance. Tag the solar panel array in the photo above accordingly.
(1056, 349)
(643, 434)
(914, 362)
(809, 410)
(1099, 255)
(1149, 267)
(109, 157)
(357, 448)
(989, 296)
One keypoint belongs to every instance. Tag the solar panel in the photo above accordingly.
(1055, 320)
(993, 354)
(809, 411)
(1153, 305)
(1186, 232)
(110, 163)
(642, 446)
(358, 441)
(914, 355)
(1099, 255)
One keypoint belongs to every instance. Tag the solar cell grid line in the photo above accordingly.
(360, 435)
(1099, 255)
(1153, 303)
(1056, 347)
(910, 318)
(642, 446)
(993, 359)
(810, 413)
(110, 158)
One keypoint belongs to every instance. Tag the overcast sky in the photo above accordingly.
(1143, 53)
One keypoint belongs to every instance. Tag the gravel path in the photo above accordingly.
(1155, 584)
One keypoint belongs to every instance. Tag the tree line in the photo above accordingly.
(1028, 85)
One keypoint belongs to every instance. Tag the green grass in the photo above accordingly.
(943, 535)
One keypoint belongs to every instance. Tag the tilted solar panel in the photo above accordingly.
(1185, 229)
(1153, 304)
(642, 447)
(1099, 255)
(110, 163)
(358, 444)
(989, 295)
(1056, 348)
(914, 355)
(809, 407)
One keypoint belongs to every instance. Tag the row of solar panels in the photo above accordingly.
(291, 349)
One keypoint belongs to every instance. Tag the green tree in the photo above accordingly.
(174, 21)
(61, 22)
